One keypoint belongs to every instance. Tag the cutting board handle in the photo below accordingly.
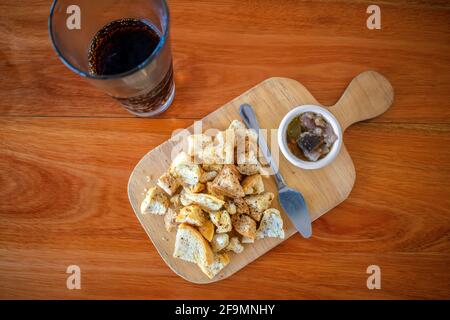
(368, 95)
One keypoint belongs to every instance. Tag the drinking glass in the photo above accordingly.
(145, 90)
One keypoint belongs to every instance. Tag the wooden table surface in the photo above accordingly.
(67, 151)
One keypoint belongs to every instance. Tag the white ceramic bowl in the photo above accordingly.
(329, 117)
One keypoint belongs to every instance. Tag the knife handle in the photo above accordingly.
(249, 117)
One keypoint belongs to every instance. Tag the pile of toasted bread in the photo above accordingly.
(214, 196)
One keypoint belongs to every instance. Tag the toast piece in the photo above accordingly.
(205, 201)
(170, 219)
(181, 158)
(207, 230)
(210, 156)
(187, 172)
(253, 184)
(248, 169)
(244, 225)
(168, 183)
(191, 214)
(244, 137)
(256, 215)
(221, 151)
(183, 198)
(221, 220)
(191, 246)
(230, 206)
(237, 125)
(258, 203)
(212, 167)
(208, 176)
(247, 153)
(224, 146)
(219, 242)
(210, 191)
(271, 225)
(175, 201)
(155, 202)
(195, 188)
(197, 144)
(235, 245)
(241, 206)
(220, 261)
(227, 182)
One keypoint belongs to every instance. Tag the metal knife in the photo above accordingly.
(290, 199)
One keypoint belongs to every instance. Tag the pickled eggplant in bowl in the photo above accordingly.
(310, 137)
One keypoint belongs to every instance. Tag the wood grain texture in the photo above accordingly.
(222, 50)
(66, 152)
(65, 202)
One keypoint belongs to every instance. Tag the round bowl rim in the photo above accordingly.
(330, 119)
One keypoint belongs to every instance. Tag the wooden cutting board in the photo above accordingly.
(367, 96)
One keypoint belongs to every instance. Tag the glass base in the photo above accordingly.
(161, 109)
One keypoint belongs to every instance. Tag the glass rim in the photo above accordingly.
(113, 76)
